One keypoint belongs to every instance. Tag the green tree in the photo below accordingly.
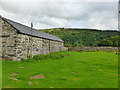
(111, 41)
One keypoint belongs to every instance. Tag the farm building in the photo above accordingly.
(20, 41)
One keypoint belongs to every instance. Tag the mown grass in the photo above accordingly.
(78, 70)
(0, 74)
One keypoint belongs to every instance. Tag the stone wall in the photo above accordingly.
(0, 38)
(93, 49)
(8, 37)
(17, 46)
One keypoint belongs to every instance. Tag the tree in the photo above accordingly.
(111, 41)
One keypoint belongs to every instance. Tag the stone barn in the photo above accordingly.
(20, 41)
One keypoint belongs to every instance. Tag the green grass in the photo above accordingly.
(78, 70)
(0, 74)
(53, 56)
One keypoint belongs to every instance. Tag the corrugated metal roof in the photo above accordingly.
(27, 30)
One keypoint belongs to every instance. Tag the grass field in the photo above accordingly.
(78, 70)
(0, 74)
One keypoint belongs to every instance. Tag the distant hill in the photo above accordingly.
(81, 37)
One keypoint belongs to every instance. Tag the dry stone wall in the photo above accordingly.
(93, 49)
(17, 46)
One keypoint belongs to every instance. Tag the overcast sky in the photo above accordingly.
(63, 13)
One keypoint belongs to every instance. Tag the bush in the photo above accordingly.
(53, 56)
(28, 60)
(62, 55)
(39, 57)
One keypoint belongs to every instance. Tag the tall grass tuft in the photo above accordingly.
(53, 56)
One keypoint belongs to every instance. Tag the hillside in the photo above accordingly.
(81, 37)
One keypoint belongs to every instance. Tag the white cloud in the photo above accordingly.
(51, 13)
(60, 0)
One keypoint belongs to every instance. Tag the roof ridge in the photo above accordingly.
(17, 22)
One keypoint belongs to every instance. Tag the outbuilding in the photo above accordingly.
(19, 41)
